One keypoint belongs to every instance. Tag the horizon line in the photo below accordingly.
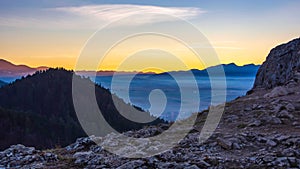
(125, 71)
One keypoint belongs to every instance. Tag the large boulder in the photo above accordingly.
(281, 67)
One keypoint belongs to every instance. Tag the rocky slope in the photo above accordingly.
(259, 130)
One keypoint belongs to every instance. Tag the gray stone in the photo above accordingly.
(290, 107)
(296, 123)
(281, 162)
(281, 138)
(82, 143)
(50, 157)
(293, 161)
(247, 108)
(165, 165)
(82, 157)
(192, 167)
(268, 158)
(255, 123)
(226, 144)
(285, 114)
(271, 120)
(271, 143)
(132, 164)
(262, 139)
(287, 152)
(236, 146)
(232, 118)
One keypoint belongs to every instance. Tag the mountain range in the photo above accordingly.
(10, 72)
(230, 69)
(8, 69)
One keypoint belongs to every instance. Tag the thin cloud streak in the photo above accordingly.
(113, 12)
(93, 16)
(133, 14)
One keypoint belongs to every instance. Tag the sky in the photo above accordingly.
(58, 33)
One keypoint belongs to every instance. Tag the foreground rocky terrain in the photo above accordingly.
(259, 130)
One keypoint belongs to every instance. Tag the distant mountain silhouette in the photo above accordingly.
(233, 70)
(8, 69)
(10, 72)
(229, 70)
(111, 72)
(38, 110)
(2, 83)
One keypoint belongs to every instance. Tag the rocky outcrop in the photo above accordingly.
(281, 67)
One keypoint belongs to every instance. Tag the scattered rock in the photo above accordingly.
(271, 143)
(226, 144)
(82, 157)
(280, 138)
(290, 107)
(255, 123)
(248, 108)
(236, 146)
(296, 123)
(271, 120)
(83, 143)
(285, 114)
(132, 164)
(232, 118)
(268, 158)
(281, 162)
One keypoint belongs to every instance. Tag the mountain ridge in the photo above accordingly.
(230, 69)
(8, 69)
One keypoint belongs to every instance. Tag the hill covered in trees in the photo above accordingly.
(38, 110)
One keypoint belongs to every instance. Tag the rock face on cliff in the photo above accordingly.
(281, 67)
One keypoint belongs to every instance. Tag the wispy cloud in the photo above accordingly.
(93, 16)
(139, 14)
(112, 12)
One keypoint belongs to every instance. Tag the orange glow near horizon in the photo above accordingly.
(238, 56)
(62, 50)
